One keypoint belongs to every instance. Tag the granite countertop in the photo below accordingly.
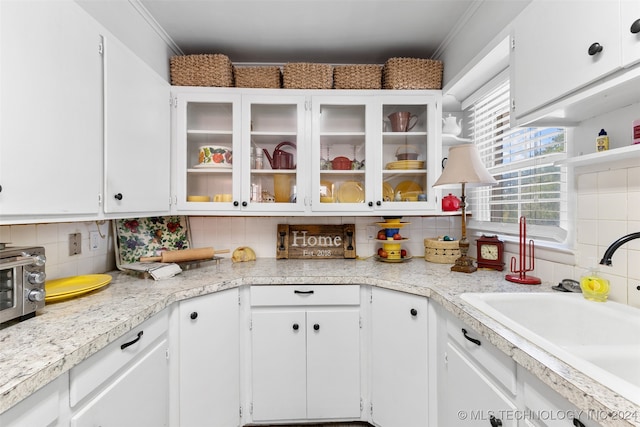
(63, 334)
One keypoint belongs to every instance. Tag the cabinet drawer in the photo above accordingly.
(496, 363)
(94, 371)
(305, 295)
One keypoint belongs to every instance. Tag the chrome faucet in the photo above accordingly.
(606, 258)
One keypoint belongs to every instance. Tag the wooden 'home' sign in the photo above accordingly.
(316, 241)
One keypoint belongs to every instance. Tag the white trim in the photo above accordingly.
(146, 15)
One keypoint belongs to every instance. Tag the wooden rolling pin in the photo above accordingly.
(185, 255)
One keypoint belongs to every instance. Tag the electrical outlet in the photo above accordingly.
(94, 240)
(371, 232)
(75, 244)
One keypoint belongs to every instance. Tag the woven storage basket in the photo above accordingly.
(304, 75)
(202, 70)
(368, 76)
(259, 77)
(412, 73)
(440, 251)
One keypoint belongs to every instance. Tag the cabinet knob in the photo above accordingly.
(595, 48)
(316, 327)
(244, 204)
(414, 312)
(495, 422)
(0, 188)
(378, 203)
(635, 27)
(370, 204)
(235, 203)
(118, 196)
(194, 315)
(296, 326)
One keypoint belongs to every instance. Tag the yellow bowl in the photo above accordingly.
(393, 250)
(326, 199)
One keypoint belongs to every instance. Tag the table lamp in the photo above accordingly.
(465, 168)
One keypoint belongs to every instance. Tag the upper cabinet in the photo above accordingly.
(51, 111)
(137, 134)
(296, 151)
(574, 68)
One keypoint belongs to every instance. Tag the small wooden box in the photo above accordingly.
(440, 251)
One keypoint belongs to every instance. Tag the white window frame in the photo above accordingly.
(554, 235)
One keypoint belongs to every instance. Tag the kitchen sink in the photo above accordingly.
(602, 340)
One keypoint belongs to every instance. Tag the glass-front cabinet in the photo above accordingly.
(208, 148)
(375, 153)
(274, 153)
(269, 151)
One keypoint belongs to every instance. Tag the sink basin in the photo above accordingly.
(600, 339)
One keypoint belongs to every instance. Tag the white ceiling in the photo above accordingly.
(327, 31)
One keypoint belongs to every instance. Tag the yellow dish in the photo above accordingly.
(198, 199)
(326, 189)
(409, 190)
(69, 287)
(351, 192)
(387, 192)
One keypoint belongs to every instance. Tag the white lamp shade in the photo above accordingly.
(464, 166)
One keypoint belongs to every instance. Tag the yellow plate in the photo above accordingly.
(387, 192)
(408, 190)
(351, 192)
(392, 224)
(326, 188)
(198, 199)
(405, 259)
(69, 287)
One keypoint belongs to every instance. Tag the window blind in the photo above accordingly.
(522, 160)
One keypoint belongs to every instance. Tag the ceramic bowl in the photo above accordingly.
(215, 155)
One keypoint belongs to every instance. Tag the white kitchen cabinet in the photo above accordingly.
(137, 134)
(305, 354)
(44, 408)
(549, 64)
(358, 128)
(127, 382)
(547, 408)
(399, 383)
(630, 26)
(352, 125)
(209, 360)
(51, 104)
(475, 380)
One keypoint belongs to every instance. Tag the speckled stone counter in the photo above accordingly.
(36, 351)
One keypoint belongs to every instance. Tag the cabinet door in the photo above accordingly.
(138, 397)
(273, 129)
(51, 121)
(551, 63)
(278, 365)
(408, 159)
(137, 134)
(210, 360)
(208, 152)
(630, 17)
(343, 132)
(399, 359)
(333, 364)
(470, 398)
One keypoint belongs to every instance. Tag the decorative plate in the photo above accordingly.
(351, 192)
(387, 192)
(405, 259)
(142, 237)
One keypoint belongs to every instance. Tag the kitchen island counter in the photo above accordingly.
(62, 335)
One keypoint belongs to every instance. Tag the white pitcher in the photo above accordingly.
(451, 126)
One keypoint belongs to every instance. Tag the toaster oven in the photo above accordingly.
(22, 276)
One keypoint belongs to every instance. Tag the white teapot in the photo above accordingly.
(451, 126)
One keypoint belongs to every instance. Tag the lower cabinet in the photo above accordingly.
(399, 383)
(209, 360)
(305, 353)
(42, 408)
(127, 383)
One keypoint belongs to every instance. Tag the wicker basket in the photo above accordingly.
(259, 77)
(441, 252)
(412, 73)
(367, 76)
(304, 75)
(202, 70)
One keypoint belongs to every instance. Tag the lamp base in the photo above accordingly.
(523, 279)
(464, 264)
